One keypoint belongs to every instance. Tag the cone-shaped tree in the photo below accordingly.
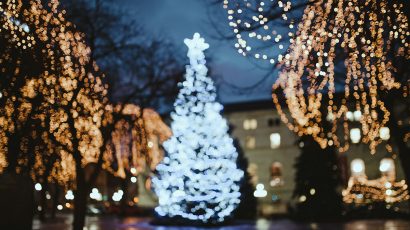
(198, 180)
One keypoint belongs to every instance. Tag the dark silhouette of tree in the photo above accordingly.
(317, 182)
(247, 209)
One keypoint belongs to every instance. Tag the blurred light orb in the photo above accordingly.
(260, 191)
(69, 195)
(38, 187)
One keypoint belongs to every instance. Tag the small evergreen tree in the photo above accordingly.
(317, 182)
(198, 180)
(247, 209)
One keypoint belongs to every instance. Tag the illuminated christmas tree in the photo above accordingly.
(198, 179)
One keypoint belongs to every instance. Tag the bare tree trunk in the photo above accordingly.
(55, 201)
(123, 202)
(80, 201)
(43, 203)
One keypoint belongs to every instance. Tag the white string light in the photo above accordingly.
(198, 178)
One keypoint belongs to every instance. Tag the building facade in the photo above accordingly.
(272, 150)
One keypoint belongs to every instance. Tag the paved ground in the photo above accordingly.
(112, 223)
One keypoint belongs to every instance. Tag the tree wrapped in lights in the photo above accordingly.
(360, 44)
(136, 142)
(55, 116)
(198, 179)
(251, 24)
(371, 36)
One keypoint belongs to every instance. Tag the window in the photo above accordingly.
(250, 142)
(357, 168)
(276, 174)
(387, 169)
(273, 122)
(275, 140)
(349, 116)
(250, 124)
(357, 115)
(253, 173)
(354, 116)
(355, 135)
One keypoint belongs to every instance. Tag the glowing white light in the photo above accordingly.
(386, 165)
(349, 116)
(260, 191)
(60, 207)
(387, 185)
(385, 133)
(133, 170)
(48, 197)
(357, 167)
(96, 195)
(275, 140)
(302, 198)
(389, 192)
(133, 179)
(38, 187)
(69, 195)
(355, 135)
(312, 191)
(117, 196)
(357, 115)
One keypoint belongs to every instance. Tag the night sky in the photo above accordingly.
(179, 19)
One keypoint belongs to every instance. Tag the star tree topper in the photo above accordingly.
(196, 48)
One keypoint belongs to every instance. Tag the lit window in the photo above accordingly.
(253, 173)
(276, 174)
(250, 142)
(355, 135)
(384, 133)
(357, 168)
(354, 116)
(250, 124)
(275, 140)
(387, 169)
(357, 115)
(349, 116)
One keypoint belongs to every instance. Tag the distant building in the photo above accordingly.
(272, 148)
